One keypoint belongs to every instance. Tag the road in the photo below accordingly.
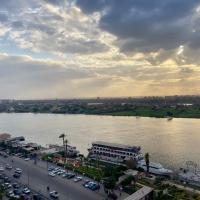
(36, 176)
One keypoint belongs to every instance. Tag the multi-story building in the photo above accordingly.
(114, 153)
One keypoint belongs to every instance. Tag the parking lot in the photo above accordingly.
(51, 181)
(14, 188)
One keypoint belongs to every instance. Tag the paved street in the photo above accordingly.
(36, 176)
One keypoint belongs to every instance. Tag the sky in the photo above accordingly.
(104, 48)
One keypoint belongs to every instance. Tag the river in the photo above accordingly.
(171, 143)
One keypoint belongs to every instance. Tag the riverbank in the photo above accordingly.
(112, 108)
(106, 177)
(155, 135)
(139, 112)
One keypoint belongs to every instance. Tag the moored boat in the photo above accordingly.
(155, 168)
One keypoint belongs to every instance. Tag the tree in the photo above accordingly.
(131, 164)
(109, 183)
(62, 136)
(65, 149)
(147, 161)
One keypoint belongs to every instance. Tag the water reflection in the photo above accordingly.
(169, 142)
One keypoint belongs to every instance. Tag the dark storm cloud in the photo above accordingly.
(143, 25)
(3, 17)
(17, 24)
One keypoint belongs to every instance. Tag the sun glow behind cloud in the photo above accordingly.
(57, 49)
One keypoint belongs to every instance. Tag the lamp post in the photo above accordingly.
(28, 176)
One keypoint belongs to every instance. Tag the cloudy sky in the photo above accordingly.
(89, 48)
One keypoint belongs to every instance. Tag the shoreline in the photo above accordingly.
(105, 114)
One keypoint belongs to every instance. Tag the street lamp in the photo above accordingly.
(28, 176)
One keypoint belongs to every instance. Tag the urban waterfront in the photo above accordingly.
(170, 142)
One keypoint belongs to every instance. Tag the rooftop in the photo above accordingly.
(115, 145)
(5, 136)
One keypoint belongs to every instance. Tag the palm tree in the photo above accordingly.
(147, 161)
(65, 149)
(64, 146)
(63, 138)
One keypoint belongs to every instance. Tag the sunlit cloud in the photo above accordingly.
(79, 48)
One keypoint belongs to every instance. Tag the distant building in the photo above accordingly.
(17, 139)
(145, 193)
(4, 136)
(112, 153)
(53, 148)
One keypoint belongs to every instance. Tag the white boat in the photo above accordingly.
(114, 153)
(155, 168)
(190, 174)
(190, 177)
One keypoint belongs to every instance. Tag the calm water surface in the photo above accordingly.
(169, 142)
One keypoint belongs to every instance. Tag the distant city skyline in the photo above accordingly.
(53, 49)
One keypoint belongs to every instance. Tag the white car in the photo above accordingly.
(77, 179)
(8, 166)
(1, 169)
(27, 159)
(54, 194)
(18, 170)
(51, 174)
(26, 190)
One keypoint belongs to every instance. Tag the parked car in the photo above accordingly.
(15, 185)
(85, 182)
(64, 175)
(37, 197)
(1, 169)
(54, 194)
(5, 155)
(26, 190)
(70, 175)
(10, 194)
(92, 185)
(51, 168)
(77, 179)
(18, 170)
(17, 191)
(7, 185)
(8, 166)
(51, 174)
(16, 175)
(7, 179)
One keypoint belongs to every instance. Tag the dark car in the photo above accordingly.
(7, 179)
(9, 167)
(69, 176)
(17, 191)
(85, 182)
(10, 194)
(54, 195)
(92, 185)
(16, 185)
(37, 197)
(95, 187)
(16, 175)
